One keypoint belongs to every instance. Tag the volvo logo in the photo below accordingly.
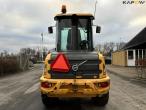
(76, 66)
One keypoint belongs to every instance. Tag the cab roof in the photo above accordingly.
(69, 15)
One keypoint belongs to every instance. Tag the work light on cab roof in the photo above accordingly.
(63, 10)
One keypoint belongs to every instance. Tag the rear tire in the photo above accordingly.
(48, 100)
(101, 101)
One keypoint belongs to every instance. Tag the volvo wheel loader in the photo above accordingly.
(74, 69)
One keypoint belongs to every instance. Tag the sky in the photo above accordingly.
(23, 21)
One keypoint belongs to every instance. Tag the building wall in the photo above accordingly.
(119, 58)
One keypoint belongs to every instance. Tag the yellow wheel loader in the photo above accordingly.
(74, 69)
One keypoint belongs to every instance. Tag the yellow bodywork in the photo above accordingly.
(63, 87)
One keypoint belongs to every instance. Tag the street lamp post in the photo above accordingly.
(42, 45)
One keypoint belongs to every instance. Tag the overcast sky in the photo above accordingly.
(23, 21)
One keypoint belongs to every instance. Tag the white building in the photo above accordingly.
(133, 51)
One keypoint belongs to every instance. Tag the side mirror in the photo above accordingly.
(98, 29)
(50, 30)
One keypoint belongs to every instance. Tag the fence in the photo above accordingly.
(141, 67)
(13, 63)
(8, 64)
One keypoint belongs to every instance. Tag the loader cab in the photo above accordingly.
(74, 32)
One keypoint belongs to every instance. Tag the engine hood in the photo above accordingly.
(77, 55)
(88, 69)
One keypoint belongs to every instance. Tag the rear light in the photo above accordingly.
(47, 84)
(103, 84)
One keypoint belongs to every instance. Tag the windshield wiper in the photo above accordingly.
(82, 27)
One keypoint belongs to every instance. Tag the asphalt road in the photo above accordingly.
(21, 92)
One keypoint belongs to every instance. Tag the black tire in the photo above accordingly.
(48, 100)
(101, 101)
